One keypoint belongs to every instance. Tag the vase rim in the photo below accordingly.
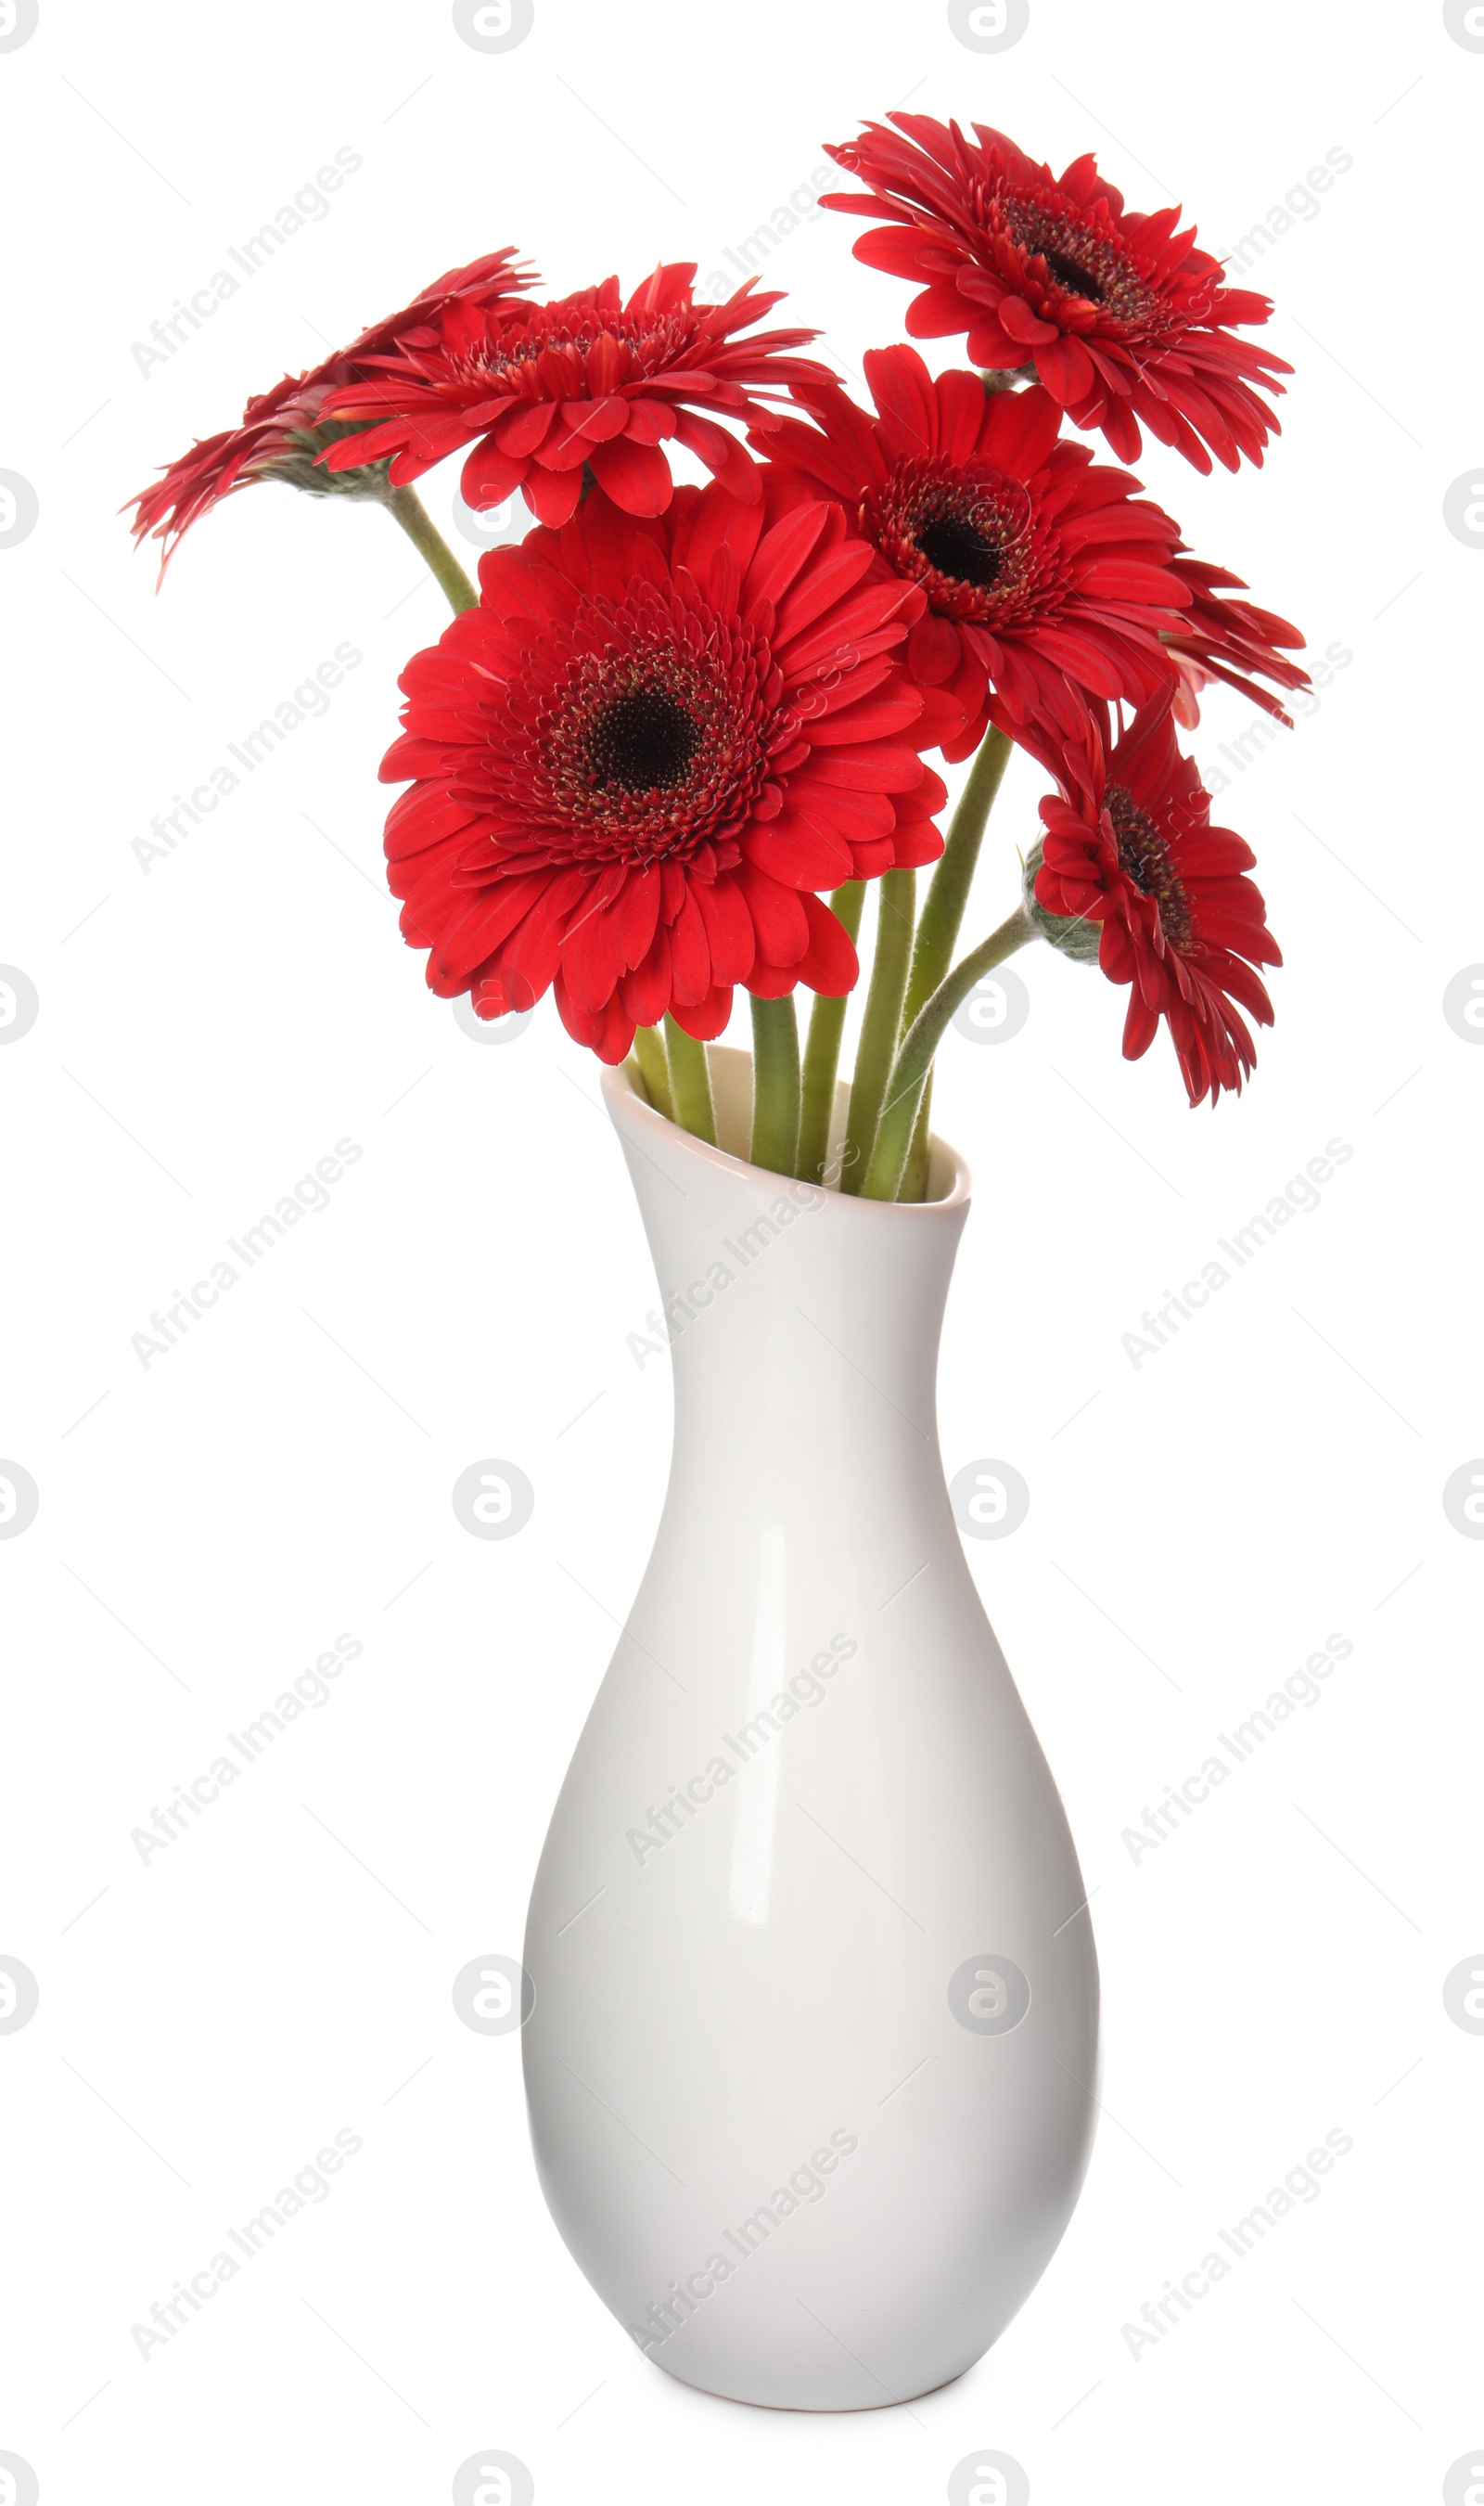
(625, 1105)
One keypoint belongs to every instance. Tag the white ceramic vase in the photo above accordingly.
(811, 2061)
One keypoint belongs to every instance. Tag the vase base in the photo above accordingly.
(815, 2410)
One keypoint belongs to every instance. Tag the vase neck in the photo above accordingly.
(803, 1324)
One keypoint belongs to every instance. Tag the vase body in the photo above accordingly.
(811, 2061)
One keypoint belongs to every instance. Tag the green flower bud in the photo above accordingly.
(1071, 933)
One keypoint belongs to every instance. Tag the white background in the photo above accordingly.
(1198, 1524)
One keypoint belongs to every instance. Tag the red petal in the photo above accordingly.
(799, 855)
(828, 580)
(771, 983)
(716, 523)
(553, 494)
(607, 1032)
(1021, 324)
(591, 961)
(916, 842)
(637, 476)
(690, 952)
(961, 410)
(597, 421)
(521, 429)
(778, 918)
(1065, 369)
(704, 1020)
(933, 648)
(636, 915)
(876, 765)
(1020, 430)
(646, 991)
(489, 475)
(729, 931)
(782, 552)
(830, 963)
(901, 388)
(724, 457)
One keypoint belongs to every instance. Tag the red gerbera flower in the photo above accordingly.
(542, 389)
(1180, 923)
(1216, 638)
(1046, 580)
(271, 439)
(1122, 317)
(638, 758)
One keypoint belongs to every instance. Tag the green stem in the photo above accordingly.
(822, 1053)
(909, 1077)
(881, 1025)
(914, 1174)
(690, 1083)
(775, 1085)
(944, 913)
(655, 1070)
(406, 507)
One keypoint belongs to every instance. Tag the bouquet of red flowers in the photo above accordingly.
(664, 746)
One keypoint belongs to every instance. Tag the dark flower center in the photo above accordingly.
(953, 546)
(1071, 275)
(640, 730)
(965, 533)
(1080, 260)
(643, 741)
(1145, 857)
